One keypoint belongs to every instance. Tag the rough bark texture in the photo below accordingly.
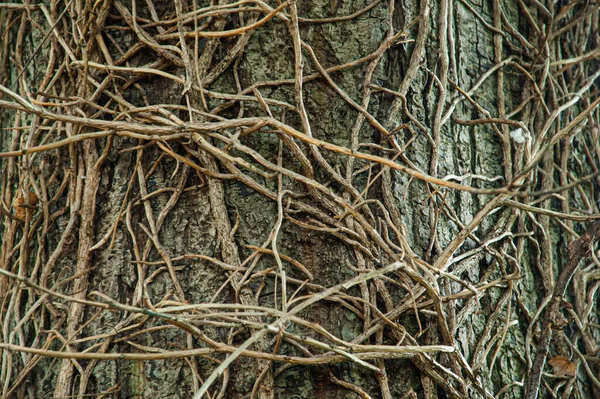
(235, 188)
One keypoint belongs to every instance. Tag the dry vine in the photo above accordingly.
(81, 118)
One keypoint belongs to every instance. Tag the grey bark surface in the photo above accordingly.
(132, 219)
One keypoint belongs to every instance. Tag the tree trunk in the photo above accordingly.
(309, 199)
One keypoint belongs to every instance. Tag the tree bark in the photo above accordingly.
(302, 199)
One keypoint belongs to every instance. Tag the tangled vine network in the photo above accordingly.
(76, 104)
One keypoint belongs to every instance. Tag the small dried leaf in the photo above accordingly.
(20, 205)
(19, 209)
(562, 366)
(33, 199)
